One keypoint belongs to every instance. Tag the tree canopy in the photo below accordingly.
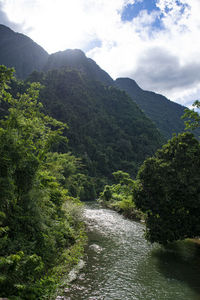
(37, 215)
(169, 190)
(107, 130)
(192, 117)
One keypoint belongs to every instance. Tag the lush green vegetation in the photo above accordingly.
(192, 117)
(42, 180)
(41, 235)
(167, 189)
(76, 59)
(119, 196)
(106, 129)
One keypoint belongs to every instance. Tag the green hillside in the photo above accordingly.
(106, 128)
(76, 59)
(163, 112)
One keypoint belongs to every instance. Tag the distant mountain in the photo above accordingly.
(76, 59)
(165, 113)
(20, 52)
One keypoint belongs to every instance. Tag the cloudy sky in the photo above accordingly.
(155, 42)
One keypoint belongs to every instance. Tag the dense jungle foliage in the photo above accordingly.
(41, 235)
(192, 117)
(166, 192)
(106, 129)
(119, 196)
(42, 181)
(169, 190)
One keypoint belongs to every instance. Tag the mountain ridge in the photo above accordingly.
(26, 56)
(164, 113)
(76, 59)
(20, 52)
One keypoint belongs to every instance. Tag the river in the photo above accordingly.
(121, 265)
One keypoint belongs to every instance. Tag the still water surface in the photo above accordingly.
(121, 265)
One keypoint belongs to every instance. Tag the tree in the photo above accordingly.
(26, 136)
(119, 196)
(192, 116)
(35, 224)
(169, 190)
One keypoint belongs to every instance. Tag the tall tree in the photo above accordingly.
(34, 222)
(169, 190)
(192, 116)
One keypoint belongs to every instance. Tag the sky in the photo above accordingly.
(154, 42)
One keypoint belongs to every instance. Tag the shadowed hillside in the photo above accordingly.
(76, 59)
(20, 52)
(106, 128)
(165, 113)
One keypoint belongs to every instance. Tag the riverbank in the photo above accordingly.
(125, 208)
(119, 196)
(73, 263)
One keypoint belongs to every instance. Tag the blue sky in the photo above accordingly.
(155, 42)
(131, 11)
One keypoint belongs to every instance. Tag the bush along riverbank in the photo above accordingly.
(119, 196)
(166, 191)
(41, 233)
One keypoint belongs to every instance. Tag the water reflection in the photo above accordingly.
(180, 261)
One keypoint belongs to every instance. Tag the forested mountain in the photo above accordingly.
(106, 128)
(20, 52)
(64, 129)
(165, 113)
(76, 59)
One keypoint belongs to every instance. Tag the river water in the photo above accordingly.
(121, 265)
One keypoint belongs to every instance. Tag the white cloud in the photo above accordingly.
(57, 25)
(163, 59)
(174, 68)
